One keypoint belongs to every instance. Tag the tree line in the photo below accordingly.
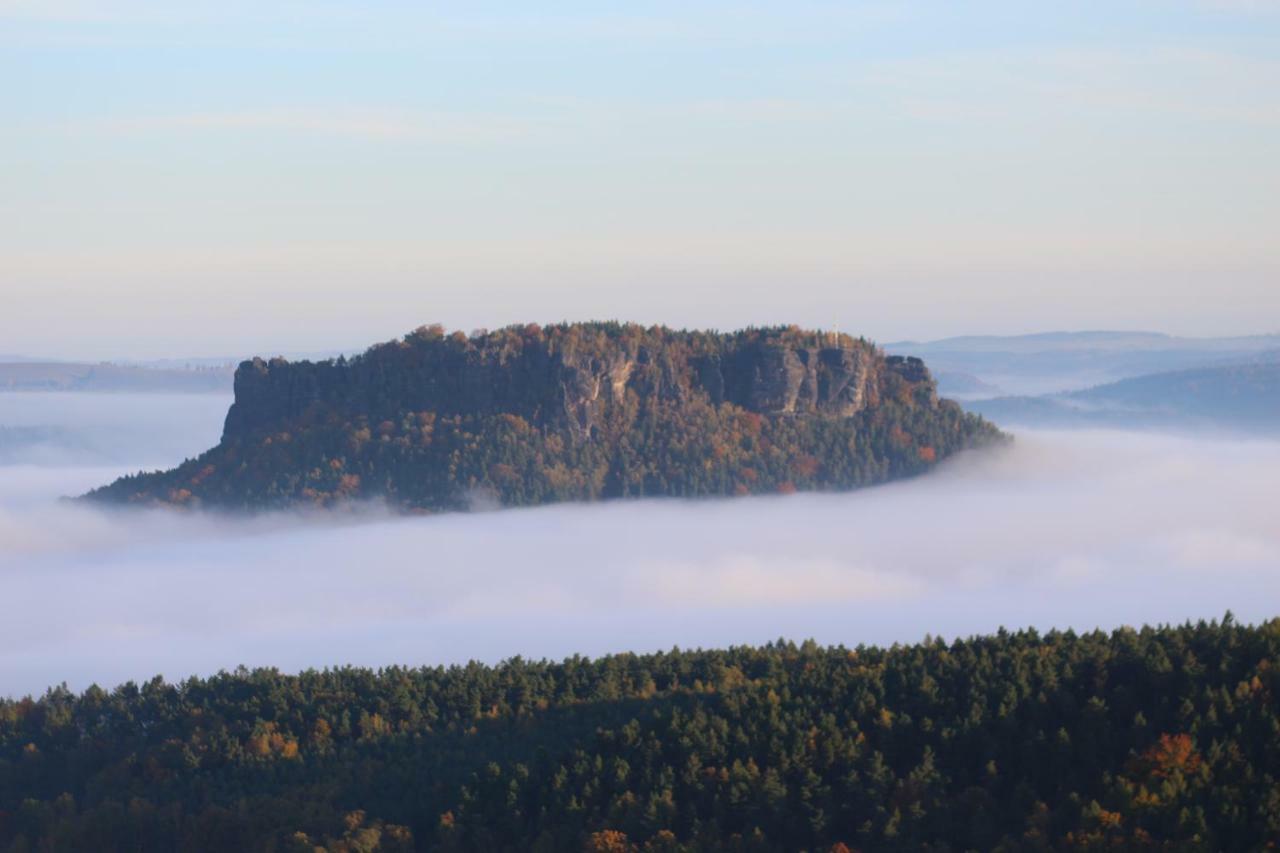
(1162, 738)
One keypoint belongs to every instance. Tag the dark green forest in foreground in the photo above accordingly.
(1154, 739)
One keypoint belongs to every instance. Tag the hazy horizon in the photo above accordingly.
(318, 351)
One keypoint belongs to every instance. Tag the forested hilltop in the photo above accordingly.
(1159, 739)
(528, 415)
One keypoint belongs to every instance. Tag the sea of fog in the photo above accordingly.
(1061, 529)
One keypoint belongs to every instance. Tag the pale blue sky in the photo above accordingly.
(189, 178)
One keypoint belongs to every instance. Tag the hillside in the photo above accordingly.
(1244, 398)
(1159, 739)
(528, 415)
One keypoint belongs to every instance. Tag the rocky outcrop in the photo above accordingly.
(785, 380)
(528, 415)
(584, 381)
(772, 375)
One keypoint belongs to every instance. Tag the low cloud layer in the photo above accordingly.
(1060, 530)
(134, 430)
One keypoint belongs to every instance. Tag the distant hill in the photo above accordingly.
(78, 376)
(1241, 397)
(1056, 362)
(1100, 340)
(529, 415)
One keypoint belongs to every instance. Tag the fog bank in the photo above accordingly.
(1077, 529)
(137, 430)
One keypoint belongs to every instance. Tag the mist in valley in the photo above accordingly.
(134, 431)
(1060, 529)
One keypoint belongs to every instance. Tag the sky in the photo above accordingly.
(1059, 529)
(189, 178)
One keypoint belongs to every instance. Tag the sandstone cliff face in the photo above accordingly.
(800, 380)
(771, 376)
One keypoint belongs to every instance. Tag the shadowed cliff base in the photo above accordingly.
(530, 415)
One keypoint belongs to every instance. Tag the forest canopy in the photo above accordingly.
(1154, 739)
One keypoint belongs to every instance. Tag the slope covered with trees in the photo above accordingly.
(530, 415)
(1158, 739)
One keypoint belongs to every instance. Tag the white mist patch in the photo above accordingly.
(748, 580)
(127, 430)
(1076, 529)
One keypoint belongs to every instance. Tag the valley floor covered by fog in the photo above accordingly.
(1061, 529)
